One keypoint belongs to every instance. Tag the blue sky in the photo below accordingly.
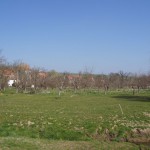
(69, 35)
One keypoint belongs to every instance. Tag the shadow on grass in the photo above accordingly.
(133, 98)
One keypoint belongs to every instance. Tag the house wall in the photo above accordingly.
(10, 82)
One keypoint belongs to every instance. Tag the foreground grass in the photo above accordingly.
(11, 143)
(82, 118)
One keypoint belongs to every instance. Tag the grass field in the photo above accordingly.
(75, 121)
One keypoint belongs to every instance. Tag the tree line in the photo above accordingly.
(33, 80)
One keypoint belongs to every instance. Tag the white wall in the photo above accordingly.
(10, 82)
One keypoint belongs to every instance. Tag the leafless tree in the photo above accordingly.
(3, 75)
(60, 80)
(99, 82)
(22, 73)
(87, 80)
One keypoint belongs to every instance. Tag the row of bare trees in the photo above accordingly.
(29, 79)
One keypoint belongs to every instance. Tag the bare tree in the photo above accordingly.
(22, 73)
(34, 79)
(60, 80)
(74, 81)
(87, 80)
(3, 73)
(99, 82)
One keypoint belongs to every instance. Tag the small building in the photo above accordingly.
(11, 82)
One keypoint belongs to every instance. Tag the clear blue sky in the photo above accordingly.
(69, 35)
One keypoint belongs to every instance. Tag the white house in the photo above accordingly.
(11, 82)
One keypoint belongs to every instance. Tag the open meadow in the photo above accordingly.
(86, 120)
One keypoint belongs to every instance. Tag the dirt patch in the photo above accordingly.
(146, 114)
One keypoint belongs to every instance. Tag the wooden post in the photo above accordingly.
(121, 109)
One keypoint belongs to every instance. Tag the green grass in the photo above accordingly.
(11, 143)
(83, 117)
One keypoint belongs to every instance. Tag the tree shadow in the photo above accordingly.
(133, 98)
